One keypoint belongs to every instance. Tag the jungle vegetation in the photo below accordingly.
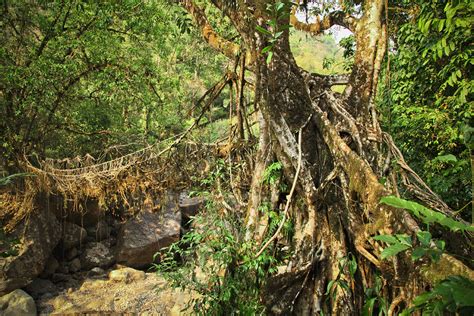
(339, 175)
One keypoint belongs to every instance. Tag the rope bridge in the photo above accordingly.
(112, 168)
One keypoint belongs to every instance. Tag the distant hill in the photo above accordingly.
(310, 52)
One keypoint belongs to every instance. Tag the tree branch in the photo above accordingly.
(332, 80)
(217, 42)
(49, 34)
(61, 94)
(334, 18)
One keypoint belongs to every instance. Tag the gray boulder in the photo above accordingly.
(147, 233)
(71, 253)
(99, 231)
(60, 277)
(39, 287)
(94, 272)
(72, 236)
(96, 254)
(38, 234)
(17, 303)
(75, 265)
(189, 206)
(50, 267)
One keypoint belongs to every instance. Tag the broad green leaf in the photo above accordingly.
(446, 158)
(428, 216)
(369, 307)
(401, 203)
(440, 244)
(279, 6)
(394, 250)
(352, 266)
(422, 299)
(404, 239)
(462, 291)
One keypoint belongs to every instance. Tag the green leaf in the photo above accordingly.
(422, 299)
(8, 179)
(404, 239)
(389, 239)
(440, 244)
(352, 266)
(443, 42)
(368, 308)
(394, 250)
(401, 203)
(343, 284)
(446, 158)
(278, 34)
(269, 57)
(329, 287)
(441, 25)
(424, 237)
(272, 23)
(279, 6)
(417, 253)
(446, 50)
(405, 312)
(462, 290)
(262, 30)
(428, 216)
(266, 49)
(450, 295)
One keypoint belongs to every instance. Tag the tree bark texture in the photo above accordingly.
(343, 157)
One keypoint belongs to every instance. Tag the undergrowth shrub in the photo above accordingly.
(454, 294)
(213, 261)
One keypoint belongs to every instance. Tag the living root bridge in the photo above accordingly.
(343, 211)
(344, 154)
(170, 163)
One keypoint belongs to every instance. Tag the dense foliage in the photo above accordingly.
(105, 78)
(427, 94)
(78, 77)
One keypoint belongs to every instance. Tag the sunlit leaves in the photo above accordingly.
(428, 98)
(451, 295)
(125, 68)
(273, 30)
(427, 215)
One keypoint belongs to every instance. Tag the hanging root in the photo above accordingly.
(153, 168)
(395, 303)
(364, 182)
(414, 184)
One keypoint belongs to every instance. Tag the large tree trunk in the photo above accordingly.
(340, 159)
